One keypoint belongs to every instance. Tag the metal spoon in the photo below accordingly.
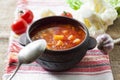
(30, 53)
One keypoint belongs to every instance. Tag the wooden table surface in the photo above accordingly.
(7, 16)
(114, 31)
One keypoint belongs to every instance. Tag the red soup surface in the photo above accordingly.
(59, 36)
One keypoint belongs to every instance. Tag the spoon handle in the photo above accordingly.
(13, 74)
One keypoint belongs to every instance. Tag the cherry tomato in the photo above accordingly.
(19, 26)
(67, 14)
(27, 15)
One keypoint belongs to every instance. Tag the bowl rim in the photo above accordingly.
(81, 24)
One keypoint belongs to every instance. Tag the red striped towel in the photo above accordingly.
(94, 66)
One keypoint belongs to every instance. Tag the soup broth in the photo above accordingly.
(59, 36)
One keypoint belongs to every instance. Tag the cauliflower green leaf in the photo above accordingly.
(74, 4)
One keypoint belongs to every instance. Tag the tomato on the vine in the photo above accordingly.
(19, 26)
(27, 15)
(67, 14)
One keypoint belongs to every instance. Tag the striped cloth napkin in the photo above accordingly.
(94, 66)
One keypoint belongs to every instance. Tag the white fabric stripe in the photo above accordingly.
(105, 76)
(62, 73)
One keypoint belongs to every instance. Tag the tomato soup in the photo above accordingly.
(59, 36)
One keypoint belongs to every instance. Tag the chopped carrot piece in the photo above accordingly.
(58, 37)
